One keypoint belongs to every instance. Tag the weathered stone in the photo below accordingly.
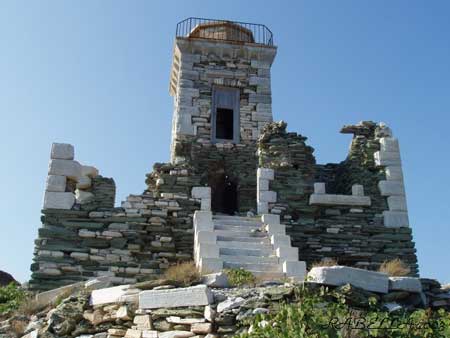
(201, 328)
(230, 303)
(176, 334)
(390, 188)
(409, 284)
(84, 182)
(192, 296)
(330, 199)
(58, 200)
(56, 183)
(62, 151)
(68, 168)
(201, 192)
(216, 280)
(396, 219)
(340, 275)
(89, 171)
(108, 295)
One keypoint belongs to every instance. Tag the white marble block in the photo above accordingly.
(56, 183)
(90, 171)
(409, 284)
(389, 144)
(340, 275)
(58, 200)
(396, 219)
(268, 196)
(331, 199)
(357, 190)
(108, 295)
(394, 173)
(397, 203)
(319, 188)
(287, 253)
(203, 221)
(201, 192)
(210, 265)
(270, 219)
(265, 173)
(387, 158)
(390, 188)
(295, 269)
(193, 296)
(280, 240)
(62, 151)
(69, 168)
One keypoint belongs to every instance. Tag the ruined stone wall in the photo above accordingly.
(353, 235)
(134, 242)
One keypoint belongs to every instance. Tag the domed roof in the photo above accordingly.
(222, 30)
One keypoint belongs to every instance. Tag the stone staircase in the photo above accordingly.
(257, 244)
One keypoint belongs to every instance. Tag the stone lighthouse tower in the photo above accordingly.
(220, 82)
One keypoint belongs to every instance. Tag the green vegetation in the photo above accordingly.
(240, 277)
(11, 297)
(323, 314)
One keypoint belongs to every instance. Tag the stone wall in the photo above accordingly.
(130, 243)
(355, 235)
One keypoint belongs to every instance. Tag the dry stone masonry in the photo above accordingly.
(239, 190)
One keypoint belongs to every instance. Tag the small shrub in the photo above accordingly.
(183, 274)
(395, 268)
(240, 277)
(325, 262)
(11, 296)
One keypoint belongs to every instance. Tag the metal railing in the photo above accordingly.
(225, 30)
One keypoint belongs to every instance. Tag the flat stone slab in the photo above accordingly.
(58, 200)
(193, 296)
(341, 275)
(330, 199)
(410, 284)
(108, 295)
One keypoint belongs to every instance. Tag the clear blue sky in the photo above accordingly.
(95, 74)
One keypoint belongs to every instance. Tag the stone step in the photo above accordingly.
(240, 218)
(236, 221)
(254, 266)
(239, 245)
(238, 233)
(242, 239)
(246, 252)
(235, 227)
(250, 259)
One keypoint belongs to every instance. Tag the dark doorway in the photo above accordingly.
(224, 194)
(224, 124)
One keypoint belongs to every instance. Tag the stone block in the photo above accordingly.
(89, 171)
(210, 265)
(287, 253)
(176, 334)
(357, 190)
(201, 192)
(270, 219)
(390, 188)
(395, 219)
(331, 199)
(43, 299)
(278, 240)
(201, 328)
(206, 237)
(409, 284)
(276, 229)
(205, 204)
(62, 151)
(69, 168)
(203, 221)
(263, 184)
(58, 200)
(84, 182)
(193, 296)
(216, 280)
(132, 333)
(83, 197)
(389, 144)
(319, 188)
(394, 173)
(295, 269)
(262, 207)
(56, 183)
(340, 275)
(267, 196)
(387, 158)
(108, 295)
(397, 203)
(208, 250)
(265, 173)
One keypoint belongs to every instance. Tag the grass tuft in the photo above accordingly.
(395, 268)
